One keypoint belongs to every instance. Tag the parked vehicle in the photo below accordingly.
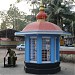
(20, 47)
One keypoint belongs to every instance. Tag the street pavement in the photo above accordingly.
(66, 68)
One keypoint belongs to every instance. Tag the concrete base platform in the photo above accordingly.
(45, 68)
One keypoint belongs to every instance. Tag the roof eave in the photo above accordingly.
(42, 32)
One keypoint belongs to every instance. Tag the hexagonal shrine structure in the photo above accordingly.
(42, 44)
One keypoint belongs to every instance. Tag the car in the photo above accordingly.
(20, 47)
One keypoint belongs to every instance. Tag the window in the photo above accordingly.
(45, 49)
(33, 49)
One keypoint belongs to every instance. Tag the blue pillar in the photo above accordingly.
(57, 48)
(27, 49)
(39, 49)
(52, 49)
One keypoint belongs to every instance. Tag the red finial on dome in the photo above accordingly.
(41, 14)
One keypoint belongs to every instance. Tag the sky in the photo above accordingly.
(4, 4)
(23, 6)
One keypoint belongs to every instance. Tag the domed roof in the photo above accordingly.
(41, 26)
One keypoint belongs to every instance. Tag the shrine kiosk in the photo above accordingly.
(42, 44)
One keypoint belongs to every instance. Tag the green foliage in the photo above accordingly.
(13, 12)
(14, 19)
(59, 14)
(19, 1)
(3, 25)
(20, 24)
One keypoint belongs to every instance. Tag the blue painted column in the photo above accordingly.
(52, 49)
(39, 49)
(27, 49)
(57, 48)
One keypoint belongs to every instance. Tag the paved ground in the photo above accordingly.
(66, 68)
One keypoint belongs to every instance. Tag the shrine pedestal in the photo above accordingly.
(48, 68)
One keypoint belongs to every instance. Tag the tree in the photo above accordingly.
(3, 25)
(13, 14)
(14, 18)
(55, 12)
(3, 16)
